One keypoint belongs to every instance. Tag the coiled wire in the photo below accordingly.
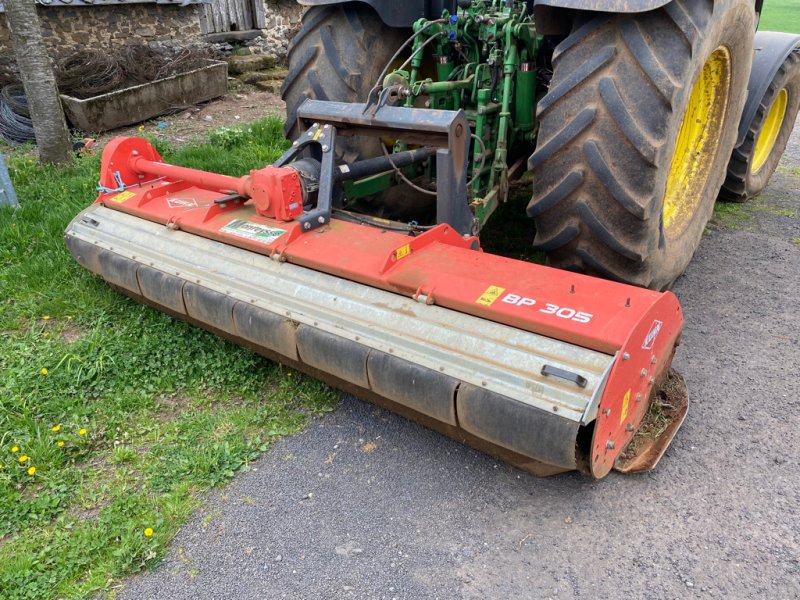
(14, 128)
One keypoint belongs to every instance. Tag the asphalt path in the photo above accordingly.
(365, 504)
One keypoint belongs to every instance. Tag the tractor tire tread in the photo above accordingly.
(738, 186)
(605, 124)
(332, 57)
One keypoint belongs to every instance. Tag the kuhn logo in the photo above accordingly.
(650, 339)
(181, 202)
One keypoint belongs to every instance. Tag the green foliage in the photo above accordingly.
(124, 413)
(780, 15)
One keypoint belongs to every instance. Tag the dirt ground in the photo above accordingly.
(367, 505)
(243, 103)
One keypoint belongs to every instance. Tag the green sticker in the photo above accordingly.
(253, 231)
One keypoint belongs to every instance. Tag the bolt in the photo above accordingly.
(316, 125)
(626, 356)
(325, 148)
(135, 153)
(610, 445)
(643, 373)
(654, 360)
(295, 144)
(327, 126)
(309, 133)
(629, 428)
(651, 381)
(321, 219)
(306, 225)
(607, 412)
(638, 397)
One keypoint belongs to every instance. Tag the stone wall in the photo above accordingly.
(73, 28)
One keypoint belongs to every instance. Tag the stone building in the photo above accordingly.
(76, 24)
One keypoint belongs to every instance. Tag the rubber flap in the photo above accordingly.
(119, 271)
(162, 288)
(517, 426)
(332, 354)
(210, 307)
(424, 390)
(266, 329)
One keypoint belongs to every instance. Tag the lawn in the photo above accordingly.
(781, 15)
(113, 417)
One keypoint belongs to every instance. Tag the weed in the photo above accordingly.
(731, 215)
(791, 171)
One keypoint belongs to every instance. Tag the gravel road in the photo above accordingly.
(367, 505)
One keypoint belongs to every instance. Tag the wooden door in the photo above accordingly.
(219, 16)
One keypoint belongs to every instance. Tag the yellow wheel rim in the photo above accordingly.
(770, 130)
(697, 144)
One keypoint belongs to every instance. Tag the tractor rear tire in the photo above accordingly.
(754, 162)
(635, 135)
(337, 55)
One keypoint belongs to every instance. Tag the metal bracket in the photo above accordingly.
(321, 139)
(443, 129)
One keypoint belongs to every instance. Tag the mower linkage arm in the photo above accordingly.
(446, 130)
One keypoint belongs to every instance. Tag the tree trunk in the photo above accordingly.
(49, 126)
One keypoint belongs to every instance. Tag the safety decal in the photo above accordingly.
(625, 400)
(253, 231)
(651, 336)
(402, 252)
(121, 197)
(490, 295)
(182, 203)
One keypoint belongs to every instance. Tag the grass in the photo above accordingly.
(151, 411)
(780, 15)
(791, 171)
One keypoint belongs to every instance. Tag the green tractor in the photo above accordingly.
(633, 116)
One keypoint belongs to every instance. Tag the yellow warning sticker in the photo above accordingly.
(316, 135)
(490, 295)
(625, 400)
(402, 252)
(122, 197)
